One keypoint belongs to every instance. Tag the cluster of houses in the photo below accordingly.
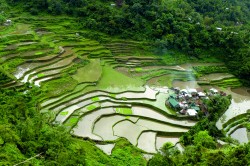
(189, 101)
(7, 23)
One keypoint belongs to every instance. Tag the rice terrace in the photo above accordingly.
(105, 89)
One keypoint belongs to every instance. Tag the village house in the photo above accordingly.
(189, 101)
(173, 102)
(8, 22)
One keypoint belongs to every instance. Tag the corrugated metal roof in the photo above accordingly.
(173, 102)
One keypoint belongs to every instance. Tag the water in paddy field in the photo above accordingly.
(240, 104)
(146, 142)
(186, 84)
(107, 148)
(241, 135)
(161, 140)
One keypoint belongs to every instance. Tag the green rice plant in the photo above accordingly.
(71, 121)
(113, 95)
(236, 118)
(91, 107)
(90, 72)
(138, 69)
(40, 75)
(64, 113)
(11, 65)
(124, 98)
(16, 37)
(238, 122)
(227, 82)
(39, 53)
(58, 86)
(201, 70)
(125, 111)
(116, 81)
(95, 99)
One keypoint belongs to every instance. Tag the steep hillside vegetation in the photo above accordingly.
(80, 74)
(200, 28)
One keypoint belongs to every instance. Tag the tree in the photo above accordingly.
(55, 7)
(215, 158)
(2, 19)
(119, 3)
(202, 138)
(169, 150)
(160, 160)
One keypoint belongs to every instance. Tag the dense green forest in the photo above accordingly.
(199, 28)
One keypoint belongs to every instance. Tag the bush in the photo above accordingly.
(34, 11)
(2, 19)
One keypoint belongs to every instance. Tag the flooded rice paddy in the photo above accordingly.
(104, 125)
(137, 85)
(146, 141)
(161, 140)
(123, 129)
(107, 148)
(241, 135)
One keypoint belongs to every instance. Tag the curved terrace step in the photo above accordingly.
(26, 55)
(85, 103)
(36, 76)
(53, 101)
(144, 111)
(141, 111)
(104, 126)
(84, 126)
(98, 106)
(38, 82)
(123, 127)
(28, 67)
(57, 64)
(48, 70)
(147, 141)
(235, 109)
(147, 94)
(49, 57)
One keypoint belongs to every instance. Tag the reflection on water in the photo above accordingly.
(186, 84)
(146, 142)
(239, 94)
(106, 148)
(242, 91)
(234, 109)
(240, 135)
(161, 140)
(240, 104)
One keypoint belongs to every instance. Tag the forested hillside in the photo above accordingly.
(200, 28)
(72, 39)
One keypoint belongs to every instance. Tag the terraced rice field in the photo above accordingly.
(99, 90)
(234, 119)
